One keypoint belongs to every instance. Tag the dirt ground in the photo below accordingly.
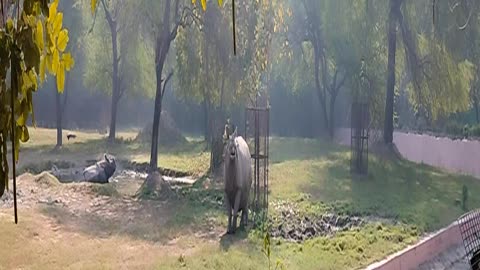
(93, 226)
(78, 227)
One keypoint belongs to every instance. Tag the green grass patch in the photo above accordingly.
(415, 194)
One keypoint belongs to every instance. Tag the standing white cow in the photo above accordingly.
(238, 179)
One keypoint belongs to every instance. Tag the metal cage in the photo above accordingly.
(359, 138)
(469, 225)
(257, 129)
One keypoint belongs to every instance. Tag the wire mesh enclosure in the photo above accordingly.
(359, 138)
(257, 134)
(469, 225)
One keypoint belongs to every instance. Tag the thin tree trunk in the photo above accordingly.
(321, 97)
(475, 104)
(205, 119)
(59, 120)
(115, 94)
(392, 45)
(332, 117)
(156, 119)
(162, 46)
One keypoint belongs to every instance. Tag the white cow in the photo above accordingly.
(238, 179)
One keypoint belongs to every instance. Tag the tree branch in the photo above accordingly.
(108, 15)
(166, 81)
(340, 85)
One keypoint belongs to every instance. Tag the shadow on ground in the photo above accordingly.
(147, 220)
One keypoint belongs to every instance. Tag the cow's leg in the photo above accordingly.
(229, 211)
(244, 221)
(235, 209)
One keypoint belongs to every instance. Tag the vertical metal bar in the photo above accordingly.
(234, 34)
(267, 153)
(12, 100)
(246, 125)
(257, 167)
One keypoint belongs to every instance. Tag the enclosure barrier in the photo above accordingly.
(359, 138)
(425, 250)
(469, 225)
(257, 130)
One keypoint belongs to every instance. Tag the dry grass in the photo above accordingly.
(37, 242)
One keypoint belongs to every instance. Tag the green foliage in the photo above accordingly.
(266, 250)
(31, 44)
(446, 86)
(464, 198)
(134, 75)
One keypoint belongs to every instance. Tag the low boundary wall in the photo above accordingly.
(425, 250)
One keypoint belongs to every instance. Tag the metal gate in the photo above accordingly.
(359, 132)
(257, 129)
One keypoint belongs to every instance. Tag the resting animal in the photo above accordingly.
(101, 171)
(238, 179)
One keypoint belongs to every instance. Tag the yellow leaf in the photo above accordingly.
(55, 62)
(33, 78)
(93, 5)
(194, 2)
(43, 64)
(9, 25)
(68, 61)
(50, 64)
(52, 12)
(24, 136)
(220, 2)
(60, 77)
(62, 40)
(204, 4)
(39, 35)
(57, 24)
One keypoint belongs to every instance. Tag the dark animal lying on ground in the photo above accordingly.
(238, 179)
(71, 136)
(101, 171)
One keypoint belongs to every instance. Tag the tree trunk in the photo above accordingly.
(162, 46)
(392, 45)
(332, 117)
(156, 119)
(205, 120)
(59, 120)
(115, 88)
(475, 104)
(321, 97)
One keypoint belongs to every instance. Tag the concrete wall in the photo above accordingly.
(427, 249)
(458, 156)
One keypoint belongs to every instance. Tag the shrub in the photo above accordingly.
(475, 130)
(454, 128)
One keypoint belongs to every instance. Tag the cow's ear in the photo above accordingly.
(234, 135)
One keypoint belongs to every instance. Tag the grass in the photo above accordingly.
(190, 158)
(412, 193)
(313, 173)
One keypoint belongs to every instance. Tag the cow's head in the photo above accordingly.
(231, 146)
